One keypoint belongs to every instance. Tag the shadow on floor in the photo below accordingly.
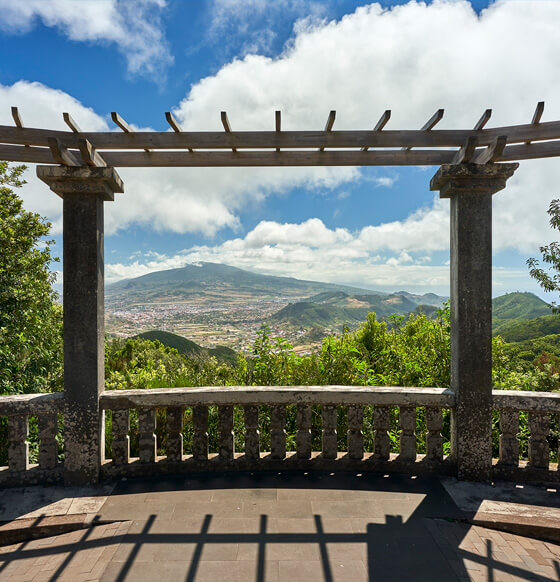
(423, 542)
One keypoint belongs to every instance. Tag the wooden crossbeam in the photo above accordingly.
(483, 120)
(537, 115)
(162, 158)
(61, 154)
(329, 125)
(89, 154)
(174, 124)
(71, 123)
(227, 128)
(383, 120)
(466, 153)
(492, 152)
(16, 117)
(432, 122)
(111, 140)
(118, 120)
(278, 123)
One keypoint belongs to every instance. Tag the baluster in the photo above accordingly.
(121, 440)
(200, 432)
(146, 433)
(381, 425)
(278, 432)
(252, 445)
(539, 426)
(48, 447)
(434, 440)
(18, 448)
(509, 445)
(330, 445)
(303, 437)
(407, 420)
(225, 422)
(175, 433)
(355, 434)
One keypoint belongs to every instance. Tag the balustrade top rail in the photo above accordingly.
(321, 395)
(526, 401)
(31, 403)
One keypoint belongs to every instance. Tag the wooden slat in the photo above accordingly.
(278, 119)
(16, 117)
(483, 120)
(383, 120)
(123, 124)
(466, 153)
(329, 125)
(61, 154)
(284, 139)
(492, 152)
(511, 153)
(71, 123)
(89, 154)
(434, 119)
(227, 128)
(537, 115)
(174, 124)
(283, 158)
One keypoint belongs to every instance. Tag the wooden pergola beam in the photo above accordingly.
(227, 127)
(16, 117)
(71, 123)
(329, 126)
(278, 123)
(383, 120)
(483, 120)
(118, 120)
(135, 159)
(537, 115)
(174, 124)
(284, 139)
(432, 122)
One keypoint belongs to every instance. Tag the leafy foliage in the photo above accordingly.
(30, 318)
(549, 279)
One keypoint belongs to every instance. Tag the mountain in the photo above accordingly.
(214, 280)
(188, 347)
(518, 306)
(333, 309)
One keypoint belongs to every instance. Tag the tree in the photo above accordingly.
(30, 317)
(551, 255)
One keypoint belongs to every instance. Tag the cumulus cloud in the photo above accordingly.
(134, 26)
(307, 250)
(366, 62)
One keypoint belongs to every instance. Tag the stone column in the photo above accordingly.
(470, 188)
(83, 190)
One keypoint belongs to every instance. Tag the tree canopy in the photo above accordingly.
(30, 317)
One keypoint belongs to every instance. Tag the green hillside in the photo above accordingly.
(529, 350)
(188, 347)
(516, 330)
(518, 306)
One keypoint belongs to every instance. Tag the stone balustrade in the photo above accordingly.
(18, 410)
(358, 428)
(542, 410)
(237, 412)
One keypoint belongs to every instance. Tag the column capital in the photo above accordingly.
(68, 180)
(453, 179)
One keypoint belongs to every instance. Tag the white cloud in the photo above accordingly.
(133, 25)
(249, 26)
(369, 61)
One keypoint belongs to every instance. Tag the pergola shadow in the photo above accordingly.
(425, 544)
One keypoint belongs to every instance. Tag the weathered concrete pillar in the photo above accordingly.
(83, 189)
(470, 188)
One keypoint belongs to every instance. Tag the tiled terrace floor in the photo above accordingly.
(282, 528)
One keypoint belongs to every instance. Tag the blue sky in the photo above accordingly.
(374, 227)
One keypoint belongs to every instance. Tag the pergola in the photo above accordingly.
(474, 164)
